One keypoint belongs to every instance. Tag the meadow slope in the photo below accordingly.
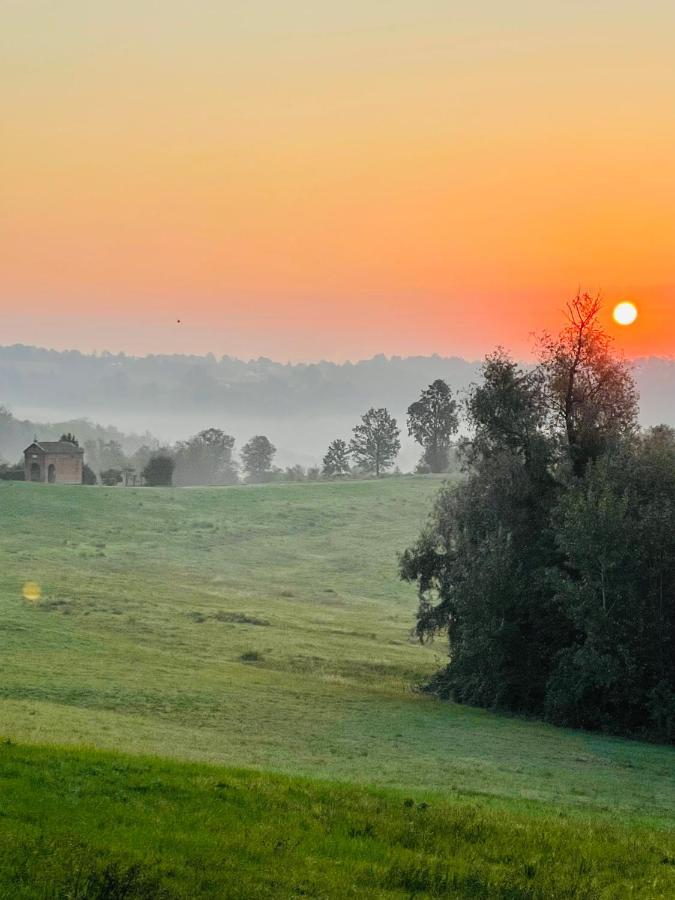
(86, 825)
(266, 627)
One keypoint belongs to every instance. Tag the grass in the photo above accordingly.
(266, 628)
(91, 825)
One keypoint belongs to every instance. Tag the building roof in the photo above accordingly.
(56, 447)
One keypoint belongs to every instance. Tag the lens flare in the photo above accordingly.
(625, 313)
(32, 592)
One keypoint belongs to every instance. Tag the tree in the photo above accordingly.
(88, 475)
(111, 477)
(70, 438)
(432, 420)
(336, 460)
(206, 458)
(590, 391)
(481, 563)
(376, 443)
(159, 471)
(256, 457)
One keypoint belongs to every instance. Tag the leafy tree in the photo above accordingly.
(88, 475)
(589, 390)
(376, 443)
(206, 458)
(481, 563)
(111, 477)
(432, 420)
(256, 456)
(159, 471)
(336, 460)
(70, 438)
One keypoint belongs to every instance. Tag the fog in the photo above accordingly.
(300, 408)
(299, 439)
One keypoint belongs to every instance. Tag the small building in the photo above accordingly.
(56, 462)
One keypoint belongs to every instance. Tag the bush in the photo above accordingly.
(12, 472)
(159, 471)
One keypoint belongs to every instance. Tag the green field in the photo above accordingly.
(266, 628)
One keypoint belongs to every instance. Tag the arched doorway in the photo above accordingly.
(35, 474)
(51, 474)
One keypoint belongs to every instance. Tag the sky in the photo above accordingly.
(306, 180)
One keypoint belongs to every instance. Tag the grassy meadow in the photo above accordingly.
(265, 628)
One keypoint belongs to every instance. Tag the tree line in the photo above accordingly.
(551, 568)
(208, 458)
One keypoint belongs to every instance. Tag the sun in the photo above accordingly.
(625, 313)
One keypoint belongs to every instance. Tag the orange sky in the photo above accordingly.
(304, 180)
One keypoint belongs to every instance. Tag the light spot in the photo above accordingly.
(32, 592)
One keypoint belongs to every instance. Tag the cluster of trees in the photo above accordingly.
(551, 568)
(207, 458)
(432, 420)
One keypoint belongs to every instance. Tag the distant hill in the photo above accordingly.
(31, 376)
(16, 434)
(300, 406)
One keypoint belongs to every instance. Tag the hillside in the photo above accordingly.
(86, 825)
(266, 627)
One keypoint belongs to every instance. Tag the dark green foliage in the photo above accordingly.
(111, 477)
(206, 458)
(617, 531)
(376, 443)
(88, 475)
(432, 420)
(70, 438)
(256, 458)
(12, 473)
(552, 568)
(336, 460)
(487, 551)
(159, 471)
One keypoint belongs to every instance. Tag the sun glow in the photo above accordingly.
(625, 313)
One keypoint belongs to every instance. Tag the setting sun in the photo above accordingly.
(625, 313)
